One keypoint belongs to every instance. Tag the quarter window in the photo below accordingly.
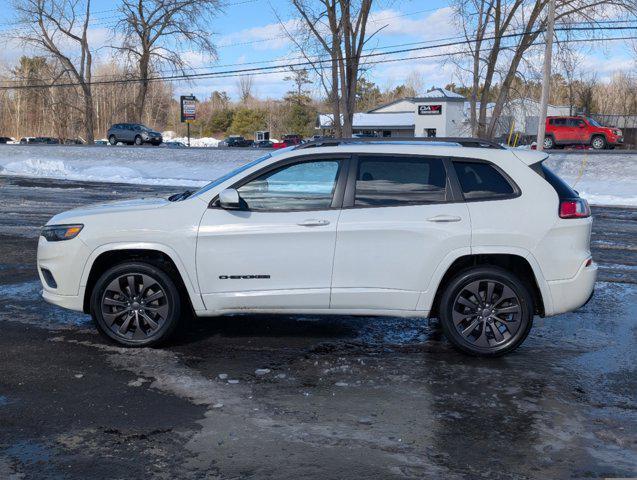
(302, 186)
(480, 180)
(391, 181)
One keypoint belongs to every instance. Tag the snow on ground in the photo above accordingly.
(604, 179)
(194, 142)
(138, 165)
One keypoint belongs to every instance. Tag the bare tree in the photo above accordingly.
(155, 33)
(300, 77)
(340, 28)
(496, 54)
(60, 28)
(245, 84)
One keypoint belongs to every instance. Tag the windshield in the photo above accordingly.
(594, 122)
(231, 174)
(242, 168)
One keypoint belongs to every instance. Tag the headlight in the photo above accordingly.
(56, 233)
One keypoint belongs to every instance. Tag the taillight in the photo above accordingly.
(574, 208)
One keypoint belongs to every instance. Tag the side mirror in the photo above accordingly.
(581, 125)
(229, 199)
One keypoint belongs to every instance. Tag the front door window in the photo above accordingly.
(302, 186)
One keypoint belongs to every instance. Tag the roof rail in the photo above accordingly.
(461, 141)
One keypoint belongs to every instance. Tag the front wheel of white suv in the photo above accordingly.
(136, 304)
(486, 311)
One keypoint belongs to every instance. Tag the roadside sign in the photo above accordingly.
(188, 108)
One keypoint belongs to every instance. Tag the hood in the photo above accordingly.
(119, 206)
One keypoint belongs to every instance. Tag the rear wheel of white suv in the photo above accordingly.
(486, 311)
(135, 304)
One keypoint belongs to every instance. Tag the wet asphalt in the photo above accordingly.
(265, 397)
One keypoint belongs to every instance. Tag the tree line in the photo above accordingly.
(493, 64)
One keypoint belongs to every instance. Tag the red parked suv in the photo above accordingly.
(578, 130)
(288, 141)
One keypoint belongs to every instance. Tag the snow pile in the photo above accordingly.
(169, 136)
(602, 179)
(147, 166)
(36, 167)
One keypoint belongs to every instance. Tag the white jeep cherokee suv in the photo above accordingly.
(478, 235)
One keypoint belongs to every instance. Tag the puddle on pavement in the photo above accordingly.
(21, 302)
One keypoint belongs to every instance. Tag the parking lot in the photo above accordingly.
(309, 397)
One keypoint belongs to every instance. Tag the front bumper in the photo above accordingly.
(65, 261)
(571, 294)
(72, 302)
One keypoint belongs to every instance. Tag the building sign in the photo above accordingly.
(188, 108)
(429, 109)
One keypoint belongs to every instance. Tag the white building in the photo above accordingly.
(441, 113)
(437, 113)
(524, 113)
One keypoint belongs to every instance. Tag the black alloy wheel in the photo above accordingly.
(112, 140)
(135, 304)
(138, 140)
(486, 311)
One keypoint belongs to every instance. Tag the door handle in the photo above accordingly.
(313, 222)
(444, 219)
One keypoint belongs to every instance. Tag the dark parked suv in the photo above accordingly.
(132, 133)
(236, 141)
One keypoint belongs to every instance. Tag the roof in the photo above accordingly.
(438, 93)
(467, 142)
(374, 120)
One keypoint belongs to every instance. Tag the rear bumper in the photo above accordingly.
(571, 294)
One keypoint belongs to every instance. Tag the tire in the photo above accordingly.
(131, 320)
(549, 143)
(598, 142)
(112, 140)
(138, 140)
(470, 325)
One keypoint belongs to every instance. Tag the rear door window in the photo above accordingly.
(482, 181)
(385, 181)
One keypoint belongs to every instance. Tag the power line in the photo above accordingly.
(277, 68)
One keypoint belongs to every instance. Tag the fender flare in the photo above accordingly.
(425, 301)
(193, 293)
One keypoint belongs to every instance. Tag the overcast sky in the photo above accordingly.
(251, 32)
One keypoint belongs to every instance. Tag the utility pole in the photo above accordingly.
(546, 77)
